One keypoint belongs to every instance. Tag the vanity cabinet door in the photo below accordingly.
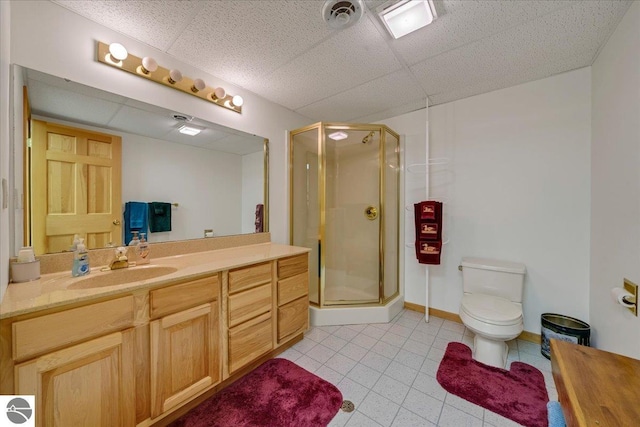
(293, 296)
(184, 356)
(88, 384)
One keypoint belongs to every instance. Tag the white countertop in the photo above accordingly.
(52, 290)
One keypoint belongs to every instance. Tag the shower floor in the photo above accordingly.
(340, 286)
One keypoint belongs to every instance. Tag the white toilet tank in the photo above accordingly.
(493, 277)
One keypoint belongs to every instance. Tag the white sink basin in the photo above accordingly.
(122, 276)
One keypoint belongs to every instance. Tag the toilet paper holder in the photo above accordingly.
(632, 288)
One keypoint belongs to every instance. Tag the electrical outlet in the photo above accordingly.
(632, 288)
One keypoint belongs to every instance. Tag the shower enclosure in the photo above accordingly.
(344, 206)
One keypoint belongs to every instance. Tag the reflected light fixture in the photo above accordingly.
(189, 130)
(405, 16)
(337, 136)
(116, 55)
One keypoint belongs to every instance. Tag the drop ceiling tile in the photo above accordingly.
(531, 46)
(352, 57)
(462, 22)
(565, 64)
(156, 23)
(392, 112)
(378, 95)
(240, 41)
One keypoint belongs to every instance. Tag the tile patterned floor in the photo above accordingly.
(388, 370)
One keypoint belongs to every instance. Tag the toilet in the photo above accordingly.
(491, 306)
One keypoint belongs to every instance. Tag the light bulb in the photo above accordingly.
(149, 65)
(118, 52)
(237, 101)
(175, 76)
(198, 85)
(219, 93)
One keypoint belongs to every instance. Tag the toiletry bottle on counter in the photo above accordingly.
(80, 260)
(142, 250)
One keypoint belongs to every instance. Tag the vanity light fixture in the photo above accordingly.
(337, 136)
(405, 16)
(237, 101)
(149, 65)
(218, 93)
(189, 130)
(175, 76)
(198, 85)
(116, 55)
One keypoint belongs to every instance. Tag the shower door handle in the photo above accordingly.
(371, 213)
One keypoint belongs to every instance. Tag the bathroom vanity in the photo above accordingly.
(141, 345)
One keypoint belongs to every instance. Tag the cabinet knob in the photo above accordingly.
(116, 222)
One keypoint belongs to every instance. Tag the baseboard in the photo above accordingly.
(525, 335)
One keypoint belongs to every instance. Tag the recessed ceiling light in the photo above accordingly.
(189, 130)
(337, 136)
(405, 16)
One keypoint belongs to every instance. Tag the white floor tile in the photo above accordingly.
(392, 389)
(379, 408)
(429, 385)
(403, 331)
(435, 354)
(341, 419)
(384, 326)
(407, 322)
(441, 343)
(329, 329)
(304, 345)
(417, 347)
(341, 364)
(316, 334)
(498, 420)
(452, 417)
(373, 332)
(430, 367)
(290, 354)
(375, 361)
(346, 333)
(329, 374)
(409, 359)
(363, 375)
(385, 349)
(422, 337)
(423, 405)
(539, 362)
(320, 353)
(453, 326)
(416, 315)
(353, 351)
(393, 339)
(360, 420)
(464, 405)
(308, 363)
(529, 347)
(402, 373)
(352, 391)
(406, 418)
(450, 335)
(358, 328)
(364, 341)
(333, 342)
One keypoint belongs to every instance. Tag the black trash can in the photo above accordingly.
(565, 328)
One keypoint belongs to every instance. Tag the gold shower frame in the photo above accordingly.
(321, 127)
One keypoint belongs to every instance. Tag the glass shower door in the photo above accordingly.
(352, 215)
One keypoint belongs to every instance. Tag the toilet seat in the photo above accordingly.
(491, 310)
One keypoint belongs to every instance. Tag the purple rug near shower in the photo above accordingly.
(518, 394)
(277, 393)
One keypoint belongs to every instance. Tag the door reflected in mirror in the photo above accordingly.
(215, 182)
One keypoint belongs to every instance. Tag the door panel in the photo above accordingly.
(76, 187)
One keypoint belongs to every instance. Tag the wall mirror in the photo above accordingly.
(216, 181)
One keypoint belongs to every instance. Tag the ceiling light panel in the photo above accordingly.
(406, 16)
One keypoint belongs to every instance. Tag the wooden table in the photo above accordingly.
(596, 388)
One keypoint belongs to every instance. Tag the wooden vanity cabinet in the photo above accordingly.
(78, 383)
(249, 309)
(293, 296)
(185, 342)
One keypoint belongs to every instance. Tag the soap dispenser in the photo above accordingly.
(80, 260)
(142, 250)
(133, 253)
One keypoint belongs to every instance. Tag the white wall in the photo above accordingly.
(516, 188)
(615, 185)
(412, 127)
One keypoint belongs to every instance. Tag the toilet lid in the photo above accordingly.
(490, 309)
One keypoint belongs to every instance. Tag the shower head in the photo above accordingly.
(367, 139)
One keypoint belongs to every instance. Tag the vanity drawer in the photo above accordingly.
(185, 295)
(249, 340)
(291, 266)
(293, 288)
(293, 317)
(40, 334)
(248, 277)
(249, 304)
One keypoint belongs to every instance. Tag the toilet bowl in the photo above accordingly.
(493, 320)
(491, 306)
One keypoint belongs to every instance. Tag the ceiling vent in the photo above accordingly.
(342, 13)
(181, 117)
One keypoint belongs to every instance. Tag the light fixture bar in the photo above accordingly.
(134, 65)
